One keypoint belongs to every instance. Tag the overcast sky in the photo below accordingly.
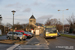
(41, 9)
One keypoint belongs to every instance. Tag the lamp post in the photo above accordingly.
(13, 16)
(63, 17)
(13, 22)
(0, 19)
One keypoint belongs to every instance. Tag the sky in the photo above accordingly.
(41, 9)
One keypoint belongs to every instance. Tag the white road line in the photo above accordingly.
(12, 47)
(33, 47)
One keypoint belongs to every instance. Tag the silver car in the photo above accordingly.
(16, 35)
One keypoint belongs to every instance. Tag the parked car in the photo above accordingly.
(23, 32)
(16, 35)
(59, 34)
(29, 33)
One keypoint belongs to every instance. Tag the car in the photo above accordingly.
(23, 32)
(29, 33)
(58, 34)
(16, 35)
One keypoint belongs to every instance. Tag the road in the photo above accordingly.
(5, 46)
(61, 43)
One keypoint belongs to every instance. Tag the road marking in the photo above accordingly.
(29, 40)
(33, 47)
(12, 47)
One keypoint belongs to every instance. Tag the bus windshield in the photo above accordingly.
(51, 30)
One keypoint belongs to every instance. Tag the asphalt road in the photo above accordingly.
(61, 43)
(5, 46)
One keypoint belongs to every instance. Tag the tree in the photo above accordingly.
(55, 22)
(0, 19)
(9, 25)
(59, 27)
(48, 22)
(18, 26)
(71, 21)
(24, 26)
(2, 28)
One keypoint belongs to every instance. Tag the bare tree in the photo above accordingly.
(55, 22)
(52, 22)
(0, 19)
(71, 21)
(9, 25)
(48, 22)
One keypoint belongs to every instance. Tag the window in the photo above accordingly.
(10, 32)
(22, 32)
(30, 20)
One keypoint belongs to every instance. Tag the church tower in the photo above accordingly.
(32, 20)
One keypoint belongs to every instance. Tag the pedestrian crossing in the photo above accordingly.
(38, 43)
(32, 47)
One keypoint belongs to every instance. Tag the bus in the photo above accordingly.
(50, 31)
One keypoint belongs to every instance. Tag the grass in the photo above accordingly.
(8, 41)
(69, 36)
(12, 42)
(21, 42)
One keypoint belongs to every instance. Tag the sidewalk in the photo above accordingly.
(34, 43)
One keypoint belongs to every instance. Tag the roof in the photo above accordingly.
(39, 24)
(66, 25)
(32, 17)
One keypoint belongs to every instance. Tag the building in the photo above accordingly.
(32, 20)
(66, 28)
(34, 26)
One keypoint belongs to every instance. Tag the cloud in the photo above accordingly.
(26, 20)
(45, 17)
(42, 1)
(42, 19)
(36, 3)
(27, 10)
(17, 5)
(51, 5)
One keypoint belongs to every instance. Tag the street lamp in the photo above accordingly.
(13, 16)
(13, 22)
(0, 19)
(63, 17)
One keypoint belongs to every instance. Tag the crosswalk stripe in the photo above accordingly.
(33, 47)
